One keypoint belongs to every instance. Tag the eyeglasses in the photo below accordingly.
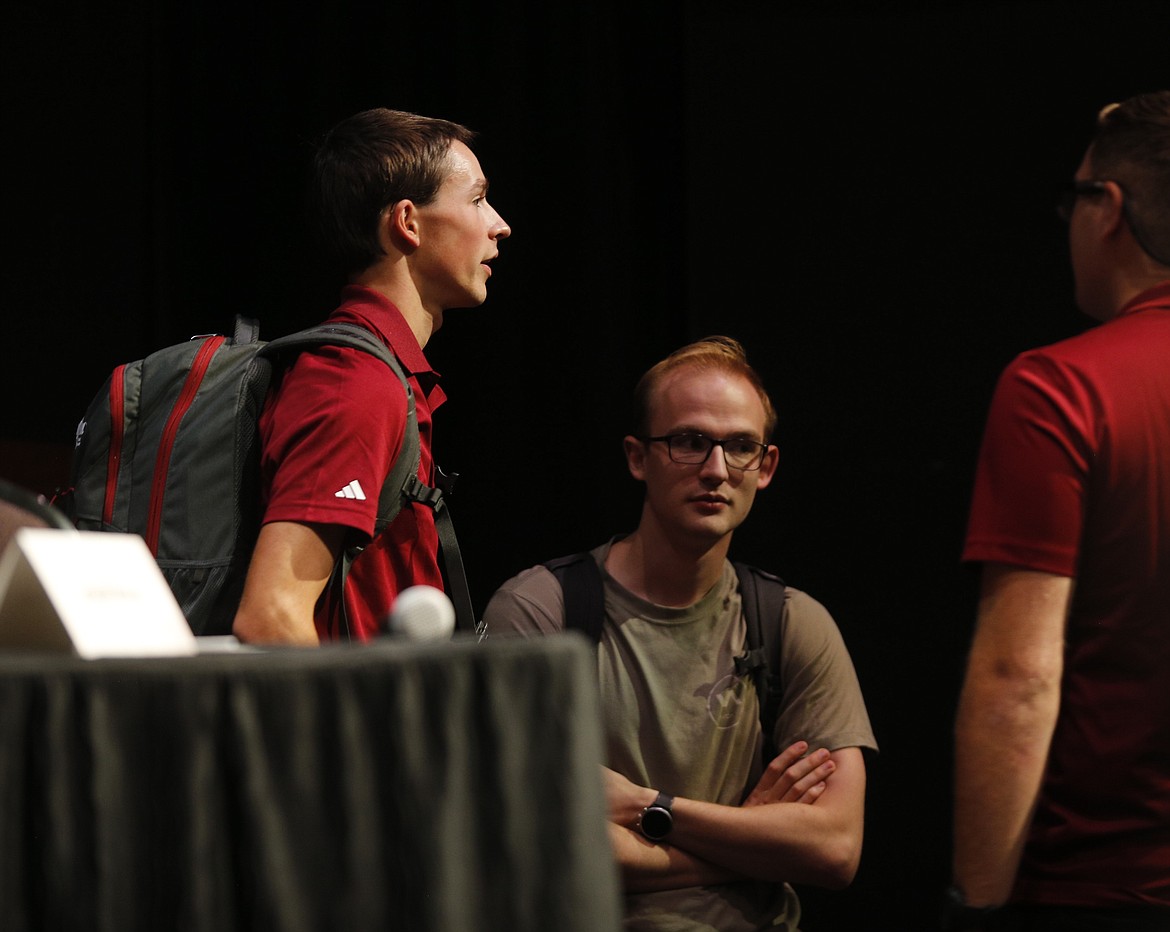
(1073, 190)
(692, 449)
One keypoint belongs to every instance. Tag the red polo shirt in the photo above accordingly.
(330, 432)
(1074, 479)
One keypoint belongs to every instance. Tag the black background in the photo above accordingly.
(861, 193)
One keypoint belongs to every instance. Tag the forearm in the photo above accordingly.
(1003, 730)
(1002, 735)
(646, 867)
(778, 842)
(817, 843)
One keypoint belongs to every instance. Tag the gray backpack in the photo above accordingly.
(169, 449)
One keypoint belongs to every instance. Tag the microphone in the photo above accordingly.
(422, 613)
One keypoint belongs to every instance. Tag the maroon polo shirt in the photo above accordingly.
(1074, 479)
(330, 432)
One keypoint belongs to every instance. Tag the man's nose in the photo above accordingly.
(715, 465)
(500, 229)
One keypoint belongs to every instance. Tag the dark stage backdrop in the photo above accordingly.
(864, 199)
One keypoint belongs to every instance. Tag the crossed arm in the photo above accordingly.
(802, 822)
(1007, 715)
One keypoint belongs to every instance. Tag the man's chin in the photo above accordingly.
(710, 529)
(472, 299)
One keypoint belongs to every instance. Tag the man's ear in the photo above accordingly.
(1112, 209)
(768, 467)
(635, 457)
(398, 227)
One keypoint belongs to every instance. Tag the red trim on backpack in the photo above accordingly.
(117, 430)
(166, 445)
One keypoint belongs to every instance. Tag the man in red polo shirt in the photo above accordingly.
(402, 208)
(1062, 801)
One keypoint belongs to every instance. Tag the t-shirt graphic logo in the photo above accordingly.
(725, 701)
(353, 490)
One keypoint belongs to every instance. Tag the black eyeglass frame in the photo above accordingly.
(1078, 188)
(669, 440)
(1071, 191)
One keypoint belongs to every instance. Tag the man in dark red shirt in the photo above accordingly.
(402, 206)
(1062, 805)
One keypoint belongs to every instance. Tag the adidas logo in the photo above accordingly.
(353, 490)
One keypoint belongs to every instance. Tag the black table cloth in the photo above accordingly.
(444, 787)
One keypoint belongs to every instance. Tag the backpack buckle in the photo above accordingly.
(415, 490)
(445, 482)
(750, 662)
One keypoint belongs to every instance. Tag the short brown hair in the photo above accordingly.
(1132, 147)
(716, 352)
(368, 162)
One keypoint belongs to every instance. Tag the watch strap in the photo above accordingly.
(659, 810)
(959, 916)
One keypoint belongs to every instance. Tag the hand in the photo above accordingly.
(625, 800)
(791, 778)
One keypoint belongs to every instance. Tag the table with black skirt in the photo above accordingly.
(450, 787)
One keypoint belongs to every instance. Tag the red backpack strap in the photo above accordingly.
(117, 433)
(166, 445)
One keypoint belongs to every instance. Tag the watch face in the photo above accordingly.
(656, 822)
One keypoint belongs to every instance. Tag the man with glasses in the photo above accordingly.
(1062, 799)
(704, 836)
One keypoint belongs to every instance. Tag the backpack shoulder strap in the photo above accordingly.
(764, 603)
(584, 592)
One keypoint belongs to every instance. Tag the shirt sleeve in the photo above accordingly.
(822, 702)
(329, 437)
(1028, 505)
(529, 604)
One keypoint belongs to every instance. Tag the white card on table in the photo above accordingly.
(98, 594)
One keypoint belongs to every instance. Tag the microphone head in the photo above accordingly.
(422, 613)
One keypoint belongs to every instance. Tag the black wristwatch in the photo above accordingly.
(959, 916)
(656, 820)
